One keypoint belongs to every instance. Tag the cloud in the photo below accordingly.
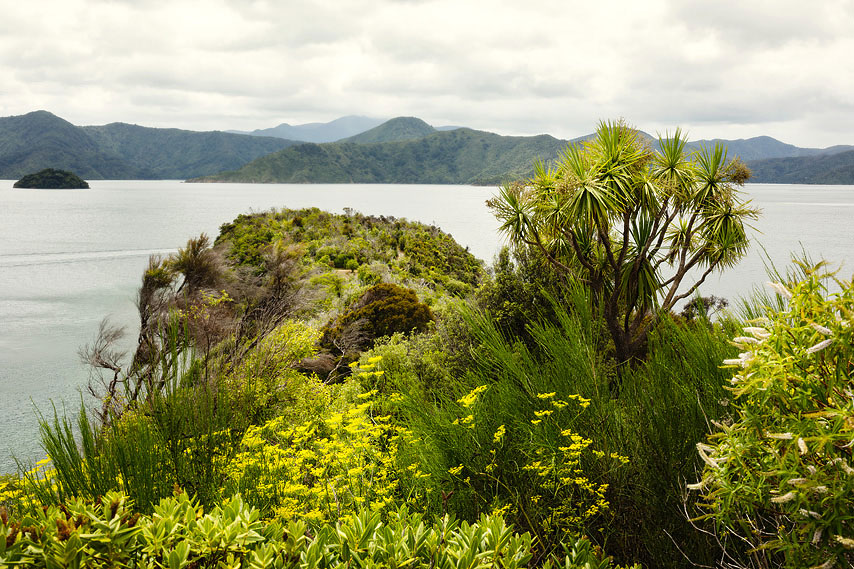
(719, 69)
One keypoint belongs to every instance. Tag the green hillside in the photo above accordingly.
(462, 156)
(39, 140)
(400, 128)
(823, 169)
(173, 153)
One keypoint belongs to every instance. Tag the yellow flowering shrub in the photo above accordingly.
(322, 469)
(10, 492)
(531, 471)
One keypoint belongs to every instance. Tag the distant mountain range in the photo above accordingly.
(316, 131)
(38, 140)
(408, 150)
(825, 168)
(460, 156)
(400, 150)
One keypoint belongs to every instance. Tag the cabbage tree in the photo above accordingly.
(641, 227)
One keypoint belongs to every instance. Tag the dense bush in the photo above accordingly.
(411, 250)
(780, 473)
(505, 406)
(185, 435)
(551, 403)
(382, 310)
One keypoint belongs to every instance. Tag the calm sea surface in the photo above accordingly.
(70, 257)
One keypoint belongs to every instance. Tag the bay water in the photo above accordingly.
(68, 258)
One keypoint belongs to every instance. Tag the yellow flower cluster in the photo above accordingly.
(9, 494)
(572, 498)
(22, 492)
(322, 469)
(499, 434)
(469, 399)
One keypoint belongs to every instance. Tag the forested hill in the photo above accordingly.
(397, 129)
(835, 168)
(29, 143)
(462, 156)
(41, 140)
(170, 153)
(762, 147)
(408, 150)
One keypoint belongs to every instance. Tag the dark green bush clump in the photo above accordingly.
(383, 310)
(50, 179)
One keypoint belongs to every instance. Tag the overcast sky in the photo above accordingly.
(723, 68)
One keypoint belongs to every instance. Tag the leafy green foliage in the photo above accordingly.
(519, 292)
(106, 534)
(185, 434)
(503, 407)
(395, 249)
(556, 382)
(780, 473)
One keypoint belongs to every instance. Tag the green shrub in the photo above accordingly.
(180, 437)
(106, 533)
(382, 310)
(265, 382)
(370, 274)
(654, 420)
(183, 434)
(780, 474)
(338, 240)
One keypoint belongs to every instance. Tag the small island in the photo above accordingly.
(51, 179)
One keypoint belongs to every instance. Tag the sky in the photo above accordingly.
(724, 68)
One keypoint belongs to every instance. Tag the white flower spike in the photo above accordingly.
(821, 329)
(779, 289)
(820, 346)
